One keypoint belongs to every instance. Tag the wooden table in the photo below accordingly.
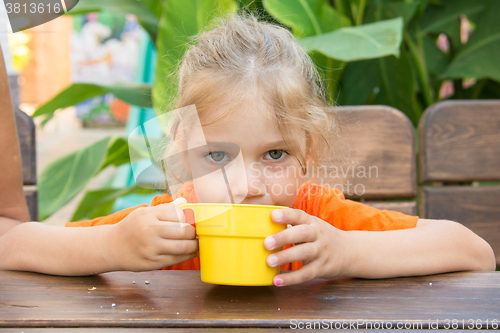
(178, 299)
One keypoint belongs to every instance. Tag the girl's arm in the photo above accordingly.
(148, 238)
(33, 246)
(36, 247)
(13, 208)
(432, 247)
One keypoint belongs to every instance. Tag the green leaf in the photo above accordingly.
(491, 90)
(360, 80)
(343, 6)
(306, 17)
(66, 177)
(118, 153)
(388, 81)
(445, 18)
(367, 41)
(135, 94)
(436, 60)
(479, 57)
(181, 21)
(142, 9)
(100, 202)
(397, 85)
(388, 10)
(250, 4)
(155, 7)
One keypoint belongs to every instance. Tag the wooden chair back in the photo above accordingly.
(27, 141)
(377, 156)
(460, 145)
(26, 135)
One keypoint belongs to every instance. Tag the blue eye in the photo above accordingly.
(217, 156)
(276, 154)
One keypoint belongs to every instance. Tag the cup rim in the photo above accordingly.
(238, 205)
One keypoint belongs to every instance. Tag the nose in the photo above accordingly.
(246, 180)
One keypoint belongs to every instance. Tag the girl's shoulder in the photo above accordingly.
(313, 190)
(187, 192)
(313, 194)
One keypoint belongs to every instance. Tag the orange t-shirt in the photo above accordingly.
(327, 204)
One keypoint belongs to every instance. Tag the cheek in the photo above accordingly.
(284, 188)
(210, 188)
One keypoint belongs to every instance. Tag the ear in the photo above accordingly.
(305, 167)
(308, 162)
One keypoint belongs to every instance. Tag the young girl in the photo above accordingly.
(255, 89)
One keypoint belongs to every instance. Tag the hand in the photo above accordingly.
(152, 238)
(321, 247)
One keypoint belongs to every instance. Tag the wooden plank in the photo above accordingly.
(406, 207)
(199, 330)
(26, 134)
(178, 299)
(376, 153)
(31, 196)
(459, 141)
(152, 330)
(475, 207)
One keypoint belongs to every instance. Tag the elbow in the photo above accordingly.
(480, 255)
(487, 260)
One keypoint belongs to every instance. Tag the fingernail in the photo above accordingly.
(278, 282)
(178, 201)
(277, 215)
(272, 260)
(269, 242)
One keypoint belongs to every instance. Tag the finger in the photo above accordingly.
(303, 252)
(177, 247)
(170, 212)
(168, 260)
(304, 274)
(298, 234)
(174, 230)
(290, 216)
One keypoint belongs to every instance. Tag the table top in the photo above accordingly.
(179, 299)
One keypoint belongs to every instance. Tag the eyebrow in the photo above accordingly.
(277, 144)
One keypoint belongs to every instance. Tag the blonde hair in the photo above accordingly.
(244, 58)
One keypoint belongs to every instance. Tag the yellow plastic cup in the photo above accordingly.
(231, 239)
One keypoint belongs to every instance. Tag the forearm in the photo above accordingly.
(434, 246)
(35, 247)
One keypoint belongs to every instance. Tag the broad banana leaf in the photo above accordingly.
(367, 41)
(478, 58)
(64, 178)
(181, 20)
(132, 93)
(306, 17)
(100, 202)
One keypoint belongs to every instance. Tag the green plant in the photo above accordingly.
(368, 52)
(412, 82)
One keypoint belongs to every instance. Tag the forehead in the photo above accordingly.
(253, 122)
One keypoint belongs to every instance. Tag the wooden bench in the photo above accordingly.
(26, 135)
(460, 145)
(380, 141)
